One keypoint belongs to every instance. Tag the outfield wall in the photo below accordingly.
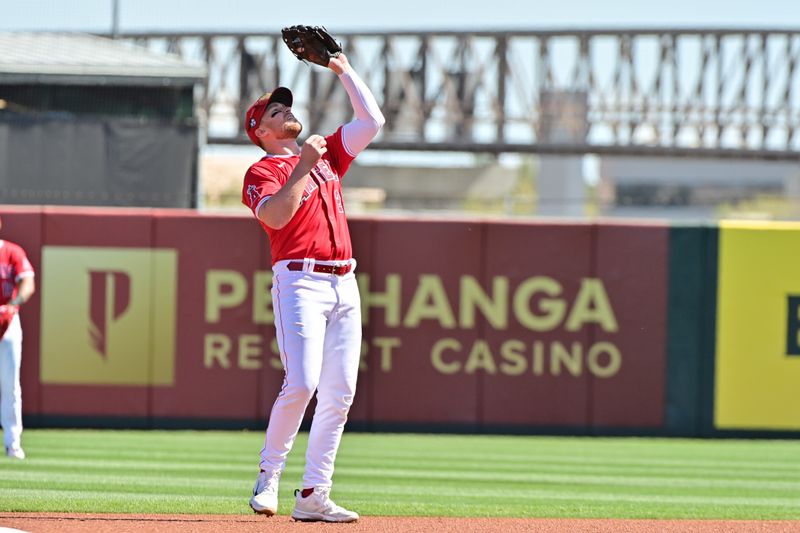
(162, 318)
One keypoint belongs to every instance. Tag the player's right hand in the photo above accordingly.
(312, 150)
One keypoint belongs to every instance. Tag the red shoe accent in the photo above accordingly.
(305, 493)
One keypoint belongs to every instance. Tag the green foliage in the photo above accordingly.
(402, 474)
(520, 201)
(762, 207)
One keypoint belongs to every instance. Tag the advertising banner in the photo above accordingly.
(758, 327)
(96, 287)
(158, 315)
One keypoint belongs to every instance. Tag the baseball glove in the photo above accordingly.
(311, 43)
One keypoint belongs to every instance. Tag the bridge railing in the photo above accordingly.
(715, 92)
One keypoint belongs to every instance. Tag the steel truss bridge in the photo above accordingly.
(673, 92)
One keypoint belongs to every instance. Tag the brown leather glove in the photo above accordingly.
(311, 43)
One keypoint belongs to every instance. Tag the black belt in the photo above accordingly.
(337, 270)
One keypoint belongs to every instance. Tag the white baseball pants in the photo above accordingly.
(10, 389)
(318, 327)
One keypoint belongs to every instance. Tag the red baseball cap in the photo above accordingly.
(253, 116)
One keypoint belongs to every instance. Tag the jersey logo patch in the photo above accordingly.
(252, 194)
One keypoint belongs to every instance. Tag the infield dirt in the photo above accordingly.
(108, 523)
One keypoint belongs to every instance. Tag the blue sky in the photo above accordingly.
(343, 15)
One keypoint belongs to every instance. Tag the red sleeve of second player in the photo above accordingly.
(336, 154)
(22, 266)
(259, 182)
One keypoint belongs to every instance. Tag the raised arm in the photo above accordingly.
(359, 132)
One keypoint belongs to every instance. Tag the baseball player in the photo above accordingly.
(16, 287)
(295, 192)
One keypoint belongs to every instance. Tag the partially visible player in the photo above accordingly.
(16, 288)
(296, 194)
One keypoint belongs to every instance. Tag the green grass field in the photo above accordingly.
(401, 474)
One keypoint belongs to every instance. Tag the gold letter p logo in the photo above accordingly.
(101, 323)
(109, 296)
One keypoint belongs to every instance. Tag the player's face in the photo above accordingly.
(279, 120)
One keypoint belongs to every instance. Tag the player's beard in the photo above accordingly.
(291, 130)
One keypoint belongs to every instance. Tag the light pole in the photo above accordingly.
(114, 18)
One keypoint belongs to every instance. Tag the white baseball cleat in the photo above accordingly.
(16, 453)
(265, 493)
(318, 507)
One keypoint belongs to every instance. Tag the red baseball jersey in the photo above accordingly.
(14, 265)
(318, 230)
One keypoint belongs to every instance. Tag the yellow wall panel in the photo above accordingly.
(757, 376)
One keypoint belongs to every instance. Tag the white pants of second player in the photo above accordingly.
(10, 390)
(318, 328)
